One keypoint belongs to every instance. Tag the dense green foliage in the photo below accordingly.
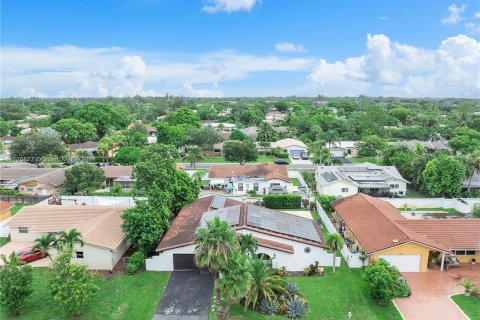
(83, 178)
(75, 131)
(128, 155)
(16, 284)
(36, 147)
(282, 201)
(240, 151)
(443, 176)
(136, 262)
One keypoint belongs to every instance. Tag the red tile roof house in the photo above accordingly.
(119, 174)
(264, 178)
(292, 241)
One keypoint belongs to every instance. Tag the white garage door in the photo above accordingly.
(337, 153)
(404, 262)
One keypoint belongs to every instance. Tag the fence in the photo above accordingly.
(23, 199)
(352, 259)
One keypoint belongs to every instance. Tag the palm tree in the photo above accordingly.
(331, 137)
(194, 155)
(44, 243)
(335, 242)
(69, 239)
(213, 245)
(264, 282)
(472, 165)
(248, 244)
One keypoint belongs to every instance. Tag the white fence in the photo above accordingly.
(464, 207)
(352, 259)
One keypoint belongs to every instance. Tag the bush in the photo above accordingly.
(252, 193)
(325, 202)
(312, 270)
(282, 155)
(269, 307)
(282, 201)
(292, 288)
(476, 211)
(309, 178)
(16, 284)
(136, 262)
(296, 308)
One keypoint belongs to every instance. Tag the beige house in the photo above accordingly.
(100, 226)
(33, 181)
(119, 174)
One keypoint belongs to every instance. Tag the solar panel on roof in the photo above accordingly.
(329, 176)
(230, 214)
(353, 169)
(218, 202)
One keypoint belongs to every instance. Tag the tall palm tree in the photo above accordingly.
(44, 243)
(194, 155)
(472, 165)
(69, 239)
(213, 245)
(248, 244)
(264, 282)
(335, 242)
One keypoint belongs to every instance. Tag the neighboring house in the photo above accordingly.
(90, 147)
(376, 227)
(91, 201)
(264, 178)
(152, 135)
(273, 116)
(342, 149)
(35, 116)
(290, 241)
(159, 118)
(474, 182)
(119, 174)
(365, 178)
(100, 227)
(224, 125)
(250, 131)
(217, 151)
(32, 181)
(291, 146)
(5, 214)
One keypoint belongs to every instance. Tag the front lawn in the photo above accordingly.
(331, 297)
(123, 297)
(295, 182)
(414, 194)
(469, 305)
(365, 159)
(3, 241)
(17, 208)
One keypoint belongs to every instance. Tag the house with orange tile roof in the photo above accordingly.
(264, 178)
(374, 226)
(288, 240)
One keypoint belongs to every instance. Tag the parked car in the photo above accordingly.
(304, 156)
(281, 162)
(28, 255)
(402, 279)
(296, 157)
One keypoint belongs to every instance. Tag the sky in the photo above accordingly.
(221, 48)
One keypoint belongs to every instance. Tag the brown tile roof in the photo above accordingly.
(268, 170)
(54, 178)
(15, 173)
(117, 171)
(4, 205)
(274, 245)
(452, 233)
(84, 145)
(373, 223)
(99, 225)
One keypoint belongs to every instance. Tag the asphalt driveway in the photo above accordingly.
(187, 297)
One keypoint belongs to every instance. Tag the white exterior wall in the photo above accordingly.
(294, 148)
(164, 260)
(402, 187)
(335, 189)
(434, 203)
(262, 185)
(30, 236)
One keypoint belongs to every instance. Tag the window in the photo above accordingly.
(29, 188)
(394, 186)
(464, 252)
(307, 249)
(240, 187)
(79, 254)
(22, 230)
(344, 189)
(255, 186)
(400, 192)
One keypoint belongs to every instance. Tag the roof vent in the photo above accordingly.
(395, 240)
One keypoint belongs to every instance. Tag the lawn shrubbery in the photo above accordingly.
(325, 202)
(136, 262)
(282, 201)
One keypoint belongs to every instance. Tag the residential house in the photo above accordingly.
(100, 226)
(33, 181)
(377, 228)
(342, 149)
(281, 129)
(250, 131)
(290, 241)
(273, 116)
(119, 174)
(229, 127)
(364, 178)
(91, 147)
(152, 135)
(264, 178)
(291, 146)
(35, 116)
(160, 118)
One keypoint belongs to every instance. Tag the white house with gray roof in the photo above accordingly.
(365, 178)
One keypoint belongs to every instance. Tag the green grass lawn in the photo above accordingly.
(3, 241)
(260, 159)
(17, 208)
(414, 194)
(331, 297)
(295, 182)
(469, 305)
(449, 210)
(123, 297)
(364, 159)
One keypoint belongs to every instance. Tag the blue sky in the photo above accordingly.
(239, 47)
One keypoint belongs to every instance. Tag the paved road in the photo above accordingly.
(187, 297)
(292, 166)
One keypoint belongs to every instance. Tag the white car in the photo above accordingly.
(296, 157)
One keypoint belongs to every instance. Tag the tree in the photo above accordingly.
(465, 141)
(70, 284)
(237, 135)
(371, 146)
(281, 106)
(69, 239)
(145, 223)
(240, 151)
(335, 242)
(32, 147)
(127, 155)
(174, 135)
(383, 282)
(401, 113)
(203, 137)
(266, 133)
(84, 178)
(104, 117)
(44, 243)
(75, 131)
(193, 156)
(248, 244)
(134, 138)
(443, 176)
(472, 165)
(183, 116)
(16, 283)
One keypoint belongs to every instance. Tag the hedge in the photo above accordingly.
(282, 201)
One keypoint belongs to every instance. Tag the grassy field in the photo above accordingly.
(260, 159)
(469, 305)
(414, 194)
(123, 297)
(3, 241)
(364, 159)
(295, 182)
(17, 208)
(331, 297)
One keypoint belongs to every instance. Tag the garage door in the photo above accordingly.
(337, 153)
(293, 152)
(404, 262)
(184, 262)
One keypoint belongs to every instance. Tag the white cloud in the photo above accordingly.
(189, 91)
(454, 13)
(31, 93)
(290, 47)
(394, 69)
(473, 28)
(477, 15)
(229, 6)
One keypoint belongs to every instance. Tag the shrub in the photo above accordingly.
(269, 307)
(468, 285)
(476, 211)
(136, 262)
(309, 178)
(311, 270)
(282, 201)
(16, 284)
(325, 202)
(282, 272)
(292, 288)
(296, 308)
(282, 155)
(252, 193)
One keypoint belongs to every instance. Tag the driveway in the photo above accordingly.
(430, 297)
(18, 245)
(187, 297)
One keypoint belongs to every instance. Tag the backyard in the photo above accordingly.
(469, 305)
(365, 159)
(260, 159)
(123, 297)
